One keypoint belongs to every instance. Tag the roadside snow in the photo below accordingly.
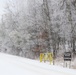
(13, 65)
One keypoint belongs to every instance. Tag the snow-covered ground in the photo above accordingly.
(13, 65)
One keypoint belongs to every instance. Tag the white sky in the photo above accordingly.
(2, 6)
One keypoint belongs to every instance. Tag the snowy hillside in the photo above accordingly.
(13, 65)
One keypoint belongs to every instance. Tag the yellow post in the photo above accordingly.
(41, 57)
(50, 57)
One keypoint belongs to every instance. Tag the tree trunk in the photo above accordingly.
(47, 21)
(73, 45)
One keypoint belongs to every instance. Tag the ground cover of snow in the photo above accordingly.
(13, 65)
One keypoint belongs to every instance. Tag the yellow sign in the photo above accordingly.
(46, 57)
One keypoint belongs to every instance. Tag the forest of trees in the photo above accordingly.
(31, 27)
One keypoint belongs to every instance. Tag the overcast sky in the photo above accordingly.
(2, 6)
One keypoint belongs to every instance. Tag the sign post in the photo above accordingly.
(67, 59)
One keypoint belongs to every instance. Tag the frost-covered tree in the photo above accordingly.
(30, 27)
